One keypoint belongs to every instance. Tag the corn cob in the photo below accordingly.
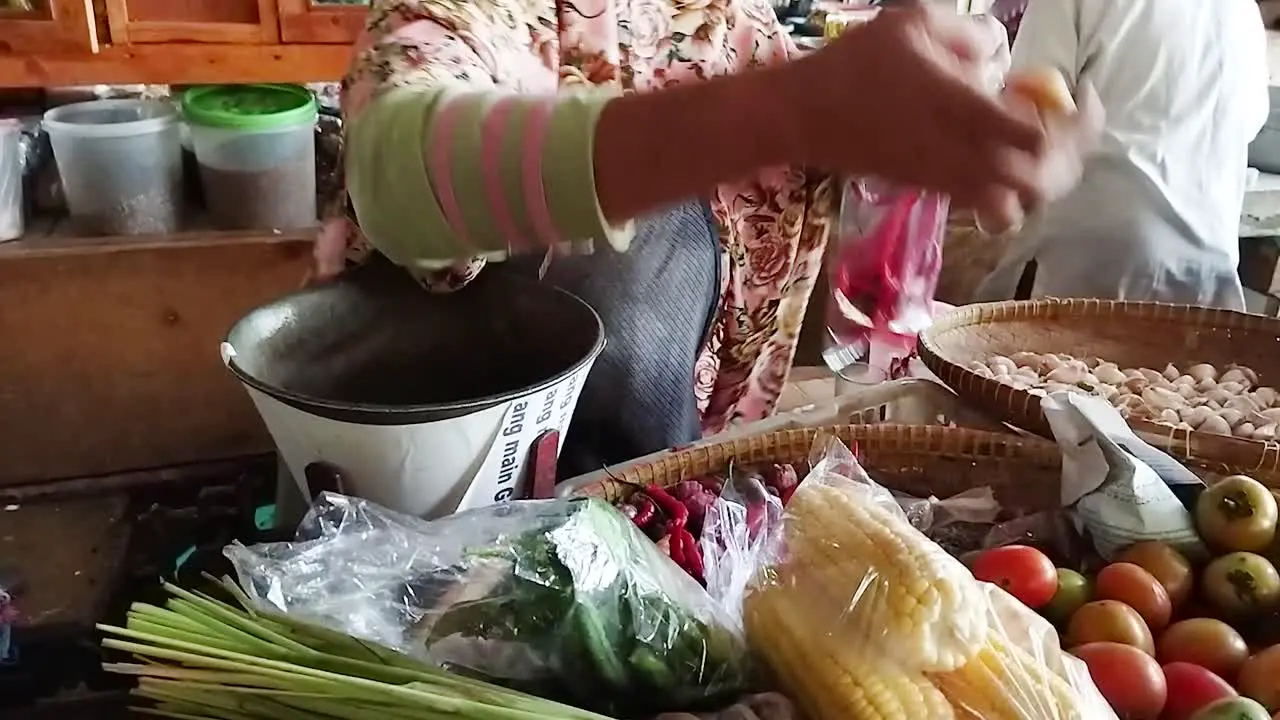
(830, 679)
(880, 582)
(1004, 682)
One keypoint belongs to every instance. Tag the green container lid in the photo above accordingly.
(249, 107)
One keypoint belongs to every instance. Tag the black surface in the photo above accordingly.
(375, 348)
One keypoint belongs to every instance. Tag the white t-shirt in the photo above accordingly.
(1156, 216)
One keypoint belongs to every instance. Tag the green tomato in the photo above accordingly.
(1236, 708)
(1073, 592)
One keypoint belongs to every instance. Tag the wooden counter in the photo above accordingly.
(110, 361)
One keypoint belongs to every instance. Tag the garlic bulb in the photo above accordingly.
(1110, 374)
(1232, 416)
(1216, 425)
(1198, 398)
(1002, 365)
(1232, 386)
(1203, 372)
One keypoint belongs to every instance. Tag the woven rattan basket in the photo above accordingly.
(919, 460)
(1131, 334)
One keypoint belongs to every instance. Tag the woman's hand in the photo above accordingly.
(903, 97)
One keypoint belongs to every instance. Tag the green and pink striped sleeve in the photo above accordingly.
(443, 173)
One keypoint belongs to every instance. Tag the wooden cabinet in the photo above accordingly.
(206, 21)
(46, 43)
(321, 21)
(29, 26)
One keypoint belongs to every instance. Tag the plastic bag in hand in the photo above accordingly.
(861, 617)
(888, 254)
(564, 598)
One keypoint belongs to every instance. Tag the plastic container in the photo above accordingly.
(425, 403)
(120, 162)
(256, 149)
(10, 180)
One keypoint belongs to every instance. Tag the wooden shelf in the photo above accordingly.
(178, 64)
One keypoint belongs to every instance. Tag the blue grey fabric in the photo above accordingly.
(657, 301)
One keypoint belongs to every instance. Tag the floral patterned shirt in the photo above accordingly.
(773, 227)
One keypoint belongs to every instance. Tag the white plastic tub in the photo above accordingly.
(120, 162)
(255, 146)
(11, 226)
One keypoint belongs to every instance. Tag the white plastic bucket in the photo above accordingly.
(426, 404)
(120, 162)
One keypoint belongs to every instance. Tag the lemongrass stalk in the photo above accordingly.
(213, 677)
(157, 712)
(187, 697)
(200, 617)
(455, 688)
(314, 678)
(407, 671)
(164, 616)
(229, 616)
(157, 630)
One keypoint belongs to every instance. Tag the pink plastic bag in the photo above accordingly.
(883, 276)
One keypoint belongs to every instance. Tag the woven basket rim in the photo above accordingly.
(1022, 409)
(794, 444)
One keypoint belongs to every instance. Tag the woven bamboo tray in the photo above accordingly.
(1132, 334)
(918, 460)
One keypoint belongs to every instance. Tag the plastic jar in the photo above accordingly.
(10, 179)
(256, 148)
(120, 162)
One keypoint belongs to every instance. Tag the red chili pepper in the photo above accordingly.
(677, 514)
(644, 510)
(690, 553)
(676, 546)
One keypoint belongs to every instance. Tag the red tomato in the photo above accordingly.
(1024, 572)
(1138, 589)
(1191, 689)
(1129, 679)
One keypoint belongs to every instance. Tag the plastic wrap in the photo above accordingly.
(887, 257)
(8, 615)
(564, 598)
(959, 523)
(737, 532)
(11, 167)
(859, 616)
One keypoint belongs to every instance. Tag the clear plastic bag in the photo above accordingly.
(888, 254)
(858, 616)
(564, 598)
(8, 616)
(737, 531)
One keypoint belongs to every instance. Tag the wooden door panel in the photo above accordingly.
(321, 21)
(243, 22)
(47, 25)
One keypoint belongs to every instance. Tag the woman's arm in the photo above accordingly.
(657, 148)
(441, 164)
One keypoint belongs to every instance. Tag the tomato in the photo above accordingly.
(1242, 584)
(1237, 708)
(1073, 592)
(1023, 572)
(1136, 588)
(1192, 688)
(1170, 567)
(1109, 621)
(1129, 679)
(1211, 644)
(1260, 678)
(1237, 514)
